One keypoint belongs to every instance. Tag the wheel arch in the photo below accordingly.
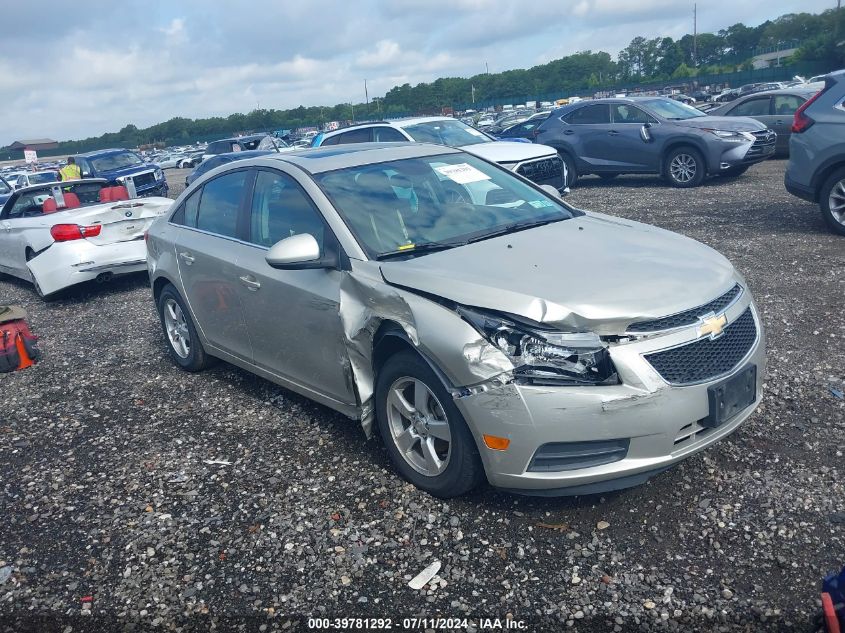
(390, 339)
(822, 174)
(677, 143)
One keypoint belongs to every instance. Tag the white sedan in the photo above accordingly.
(59, 235)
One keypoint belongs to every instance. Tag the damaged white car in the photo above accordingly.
(514, 339)
(60, 234)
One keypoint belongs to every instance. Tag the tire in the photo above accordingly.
(571, 170)
(184, 345)
(684, 167)
(457, 468)
(734, 172)
(608, 176)
(832, 201)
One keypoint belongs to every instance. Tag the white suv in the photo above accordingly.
(539, 163)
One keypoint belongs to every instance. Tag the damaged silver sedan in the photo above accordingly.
(499, 335)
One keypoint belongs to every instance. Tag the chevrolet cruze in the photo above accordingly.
(499, 335)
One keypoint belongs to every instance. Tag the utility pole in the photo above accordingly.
(487, 68)
(473, 94)
(366, 97)
(695, 35)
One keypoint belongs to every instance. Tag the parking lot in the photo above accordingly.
(136, 491)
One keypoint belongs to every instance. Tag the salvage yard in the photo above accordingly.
(134, 491)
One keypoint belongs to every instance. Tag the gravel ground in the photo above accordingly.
(134, 493)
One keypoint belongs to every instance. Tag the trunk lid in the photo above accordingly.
(119, 221)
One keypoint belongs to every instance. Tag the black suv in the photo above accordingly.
(654, 135)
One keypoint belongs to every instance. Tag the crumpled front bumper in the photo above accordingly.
(65, 264)
(660, 422)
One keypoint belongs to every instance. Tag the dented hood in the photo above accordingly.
(592, 271)
(508, 151)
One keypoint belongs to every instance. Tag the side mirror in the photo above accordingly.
(296, 252)
(645, 132)
(552, 191)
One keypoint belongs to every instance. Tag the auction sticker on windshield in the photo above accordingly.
(462, 173)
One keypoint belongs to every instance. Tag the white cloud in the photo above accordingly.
(107, 64)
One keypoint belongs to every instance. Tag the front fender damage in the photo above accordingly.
(457, 351)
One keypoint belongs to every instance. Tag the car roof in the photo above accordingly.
(332, 157)
(104, 152)
(248, 137)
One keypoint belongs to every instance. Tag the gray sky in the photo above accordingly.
(75, 69)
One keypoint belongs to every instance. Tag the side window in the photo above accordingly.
(787, 104)
(752, 107)
(332, 140)
(280, 209)
(21, 181)
(626, 113)
(219, 205)
(388, 135)
(361, 135)
(186, 214)
(589, 115)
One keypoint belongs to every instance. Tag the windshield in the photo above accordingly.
(4, 187)
(57, 198)
(673, 110)
(39, 179)
(447, 132)
(402, 206)
(116, 161)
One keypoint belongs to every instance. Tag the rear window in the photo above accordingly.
(589, 115)
(220, 202)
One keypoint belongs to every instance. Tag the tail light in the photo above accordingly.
(69, 232)
(800, 121)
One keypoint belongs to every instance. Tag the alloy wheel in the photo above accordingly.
(683, 168)
(836, 202)
(418, 426)
(177, 328)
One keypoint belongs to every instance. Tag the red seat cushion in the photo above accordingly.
(49, 206)
(72, 200)
(105, 194)
(119, 193)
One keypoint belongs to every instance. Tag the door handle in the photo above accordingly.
(568, 132)
(613, 133)
(187, 257)
(250, 282)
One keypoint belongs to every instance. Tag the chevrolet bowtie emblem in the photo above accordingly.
(712, 325)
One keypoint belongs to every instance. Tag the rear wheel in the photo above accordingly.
(425, 435)
(684, 167)
(184, 345)
(832, 201)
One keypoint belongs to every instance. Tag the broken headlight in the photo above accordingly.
(541, 355)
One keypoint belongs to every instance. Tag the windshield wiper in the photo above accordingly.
(513, 228)
(419, 248)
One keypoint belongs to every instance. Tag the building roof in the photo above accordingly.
(34, 142)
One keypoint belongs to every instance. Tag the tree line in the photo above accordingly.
(820, 38)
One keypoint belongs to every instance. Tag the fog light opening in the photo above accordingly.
(496, 443)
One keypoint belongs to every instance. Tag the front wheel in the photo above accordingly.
(832, 201)
(426, 436)
(184, 345)
(571, 169)
(684, 167)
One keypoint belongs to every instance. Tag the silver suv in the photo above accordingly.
(480, 338)
(816, 169)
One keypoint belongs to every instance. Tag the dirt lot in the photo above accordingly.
(112, 511)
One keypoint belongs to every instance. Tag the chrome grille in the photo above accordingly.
(688, 317)
(543, 170)
(764, 144)
(706, 358)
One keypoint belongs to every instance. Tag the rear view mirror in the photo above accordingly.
(552, 191)
(645, 132)
(296, 251)
(499, 196)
